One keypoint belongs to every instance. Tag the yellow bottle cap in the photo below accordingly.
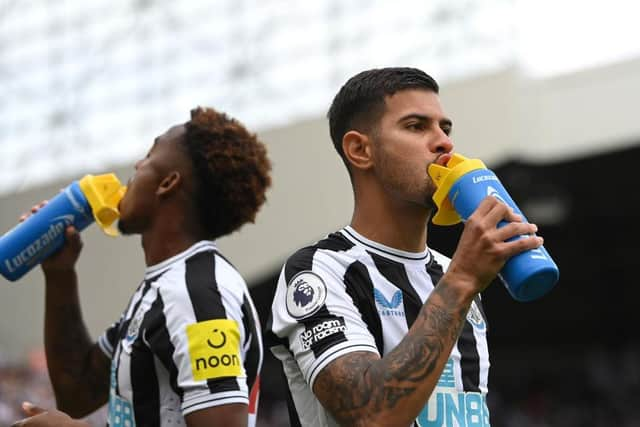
(444, 177)
(104, 193)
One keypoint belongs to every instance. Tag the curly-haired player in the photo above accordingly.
(187, 349)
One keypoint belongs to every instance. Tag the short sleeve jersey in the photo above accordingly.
(347, 293)
(188, 340)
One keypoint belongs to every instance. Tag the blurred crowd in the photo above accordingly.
(601, 389)
(29, 381)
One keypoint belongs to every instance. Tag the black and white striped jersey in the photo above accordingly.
(188, 340)
(347, 293)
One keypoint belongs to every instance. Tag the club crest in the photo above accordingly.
(474, 316)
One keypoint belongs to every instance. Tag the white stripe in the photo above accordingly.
(178, 313)
(210, 400)
(483, 352)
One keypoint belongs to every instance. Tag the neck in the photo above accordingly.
(158, 248)
(168, 237)
(397, 224)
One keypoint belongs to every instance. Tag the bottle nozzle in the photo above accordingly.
(104, 193)
(444, 177)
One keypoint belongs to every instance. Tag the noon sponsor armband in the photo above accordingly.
(214, 349)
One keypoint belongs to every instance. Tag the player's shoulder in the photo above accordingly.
(226, 271)
(200, 270)
(333, 245)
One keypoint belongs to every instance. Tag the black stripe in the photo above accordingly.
(435, 271)
(207, 303)
(223, 384)
(144, 384)
(469, 359)
(252, 358)
(158, 337)
(359, 287)
(335, 242)
(395, 273)
(202, 287)
(124, 326)
(302, 260)
(111, 335)
(467, 345)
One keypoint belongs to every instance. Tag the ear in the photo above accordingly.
(169, 183)
(357, 149)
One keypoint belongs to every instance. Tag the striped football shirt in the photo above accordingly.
(188, 340)
(347, 293)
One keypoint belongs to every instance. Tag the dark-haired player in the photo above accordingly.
(187, 349)
(374, 328)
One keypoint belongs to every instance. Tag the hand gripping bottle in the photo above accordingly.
(462, 184)
(92, 198)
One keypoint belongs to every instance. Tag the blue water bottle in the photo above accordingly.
(462, 184)
(92, 198)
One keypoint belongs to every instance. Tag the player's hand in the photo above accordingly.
(483, 249)
(34, 209)
(38, 417)
(66, 257)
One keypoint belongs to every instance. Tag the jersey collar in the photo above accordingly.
(201, 246)
(423, 257)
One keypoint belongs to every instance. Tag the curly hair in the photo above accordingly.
(231, 170)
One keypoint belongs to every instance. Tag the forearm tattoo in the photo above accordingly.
(361, 383)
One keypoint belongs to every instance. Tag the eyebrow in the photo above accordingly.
(445, 121)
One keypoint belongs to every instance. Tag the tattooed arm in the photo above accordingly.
(78, 369)
(362, 389)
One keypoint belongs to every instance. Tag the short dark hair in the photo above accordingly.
(361, 101)
(231, 170)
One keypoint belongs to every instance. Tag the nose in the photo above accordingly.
(442, 143)
(137, 164)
